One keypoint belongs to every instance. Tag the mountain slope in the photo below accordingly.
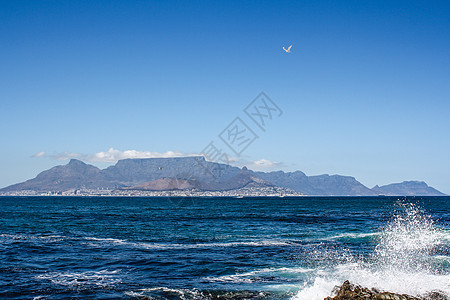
(322, 185)
(76, 174)
(183, 173)
(243, 178)
(164, 184)
(407, 188)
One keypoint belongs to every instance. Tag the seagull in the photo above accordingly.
(288, 50)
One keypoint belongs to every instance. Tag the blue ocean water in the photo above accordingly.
(220, 248)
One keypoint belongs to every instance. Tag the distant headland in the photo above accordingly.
(195, 176)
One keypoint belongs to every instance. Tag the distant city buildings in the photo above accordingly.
(242, 192)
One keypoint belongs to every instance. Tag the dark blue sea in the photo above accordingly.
(221, 248)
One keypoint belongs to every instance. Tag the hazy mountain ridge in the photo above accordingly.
(320, 185)
(76, 174)
(195, 172)
(407, 188)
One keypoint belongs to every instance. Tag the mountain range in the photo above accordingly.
(194, 172)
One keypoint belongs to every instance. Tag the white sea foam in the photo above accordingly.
(181, 293)
(353, 236)
(15, 237)
(320, 289)
(96, 241)
(442, 258)
(107, 240)
(167, 246)
(172, 293)
(103, 278)
(402, 261)
(248, 277)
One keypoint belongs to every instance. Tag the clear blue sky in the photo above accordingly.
(365, 91)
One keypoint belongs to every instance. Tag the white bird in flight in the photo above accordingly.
(288, 50)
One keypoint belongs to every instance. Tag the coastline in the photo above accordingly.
(243, 192)
(196, 194)
(349, 291)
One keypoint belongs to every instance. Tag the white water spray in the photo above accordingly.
(406, 260)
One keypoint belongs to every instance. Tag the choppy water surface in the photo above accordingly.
(200, 248)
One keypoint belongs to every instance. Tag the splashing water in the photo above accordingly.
(408, 242)
(411, 257)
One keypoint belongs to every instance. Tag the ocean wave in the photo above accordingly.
(96, 241)
(442, 258)
(15, 237)
(415, 284)
(181, 293)
(353, 236)
(265, 274)
(404, 261)
(168, 246)
(444, 235)
(173, 293)
(107, 240)
(103, 278)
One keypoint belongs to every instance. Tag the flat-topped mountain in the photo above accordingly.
(187, 173)
(130, 172)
